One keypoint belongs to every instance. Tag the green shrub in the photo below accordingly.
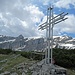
(65, 58)
(5, 51)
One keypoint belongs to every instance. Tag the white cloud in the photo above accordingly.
(19, 17)
(36, 14)
(59, 3)
(22, 16)
(47, 2)
(64, 3)
(67, 26)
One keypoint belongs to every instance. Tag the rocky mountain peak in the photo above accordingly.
(20, 37)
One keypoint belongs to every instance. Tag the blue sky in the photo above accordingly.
(23, 17)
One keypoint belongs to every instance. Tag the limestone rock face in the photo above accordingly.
(36, 44)
(21, 43)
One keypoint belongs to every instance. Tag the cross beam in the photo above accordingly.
(55, 20)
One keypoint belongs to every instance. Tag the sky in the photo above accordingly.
(24, 16)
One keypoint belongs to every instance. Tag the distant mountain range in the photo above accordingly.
(21, 43)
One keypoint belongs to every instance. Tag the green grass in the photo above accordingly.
(2, 57)
(12, 62)
(70, 72)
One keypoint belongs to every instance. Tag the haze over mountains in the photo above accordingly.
(21, 43)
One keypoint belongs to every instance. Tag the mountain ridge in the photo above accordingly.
(22, 43)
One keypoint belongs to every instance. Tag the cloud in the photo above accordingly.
(47, 2)
(67, 26)
(64, 3)
(59, 3)
(23, 17)
(19, 17)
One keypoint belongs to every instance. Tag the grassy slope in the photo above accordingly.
(11, 62)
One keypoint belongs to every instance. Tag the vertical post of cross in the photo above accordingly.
(50, 10)
(52, 39)
(47, 35)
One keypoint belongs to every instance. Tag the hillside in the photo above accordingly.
(18, 63)
(14, 65)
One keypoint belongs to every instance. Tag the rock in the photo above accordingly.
(14, 73)
(34, 73)
(23, 73)
(5, 73)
